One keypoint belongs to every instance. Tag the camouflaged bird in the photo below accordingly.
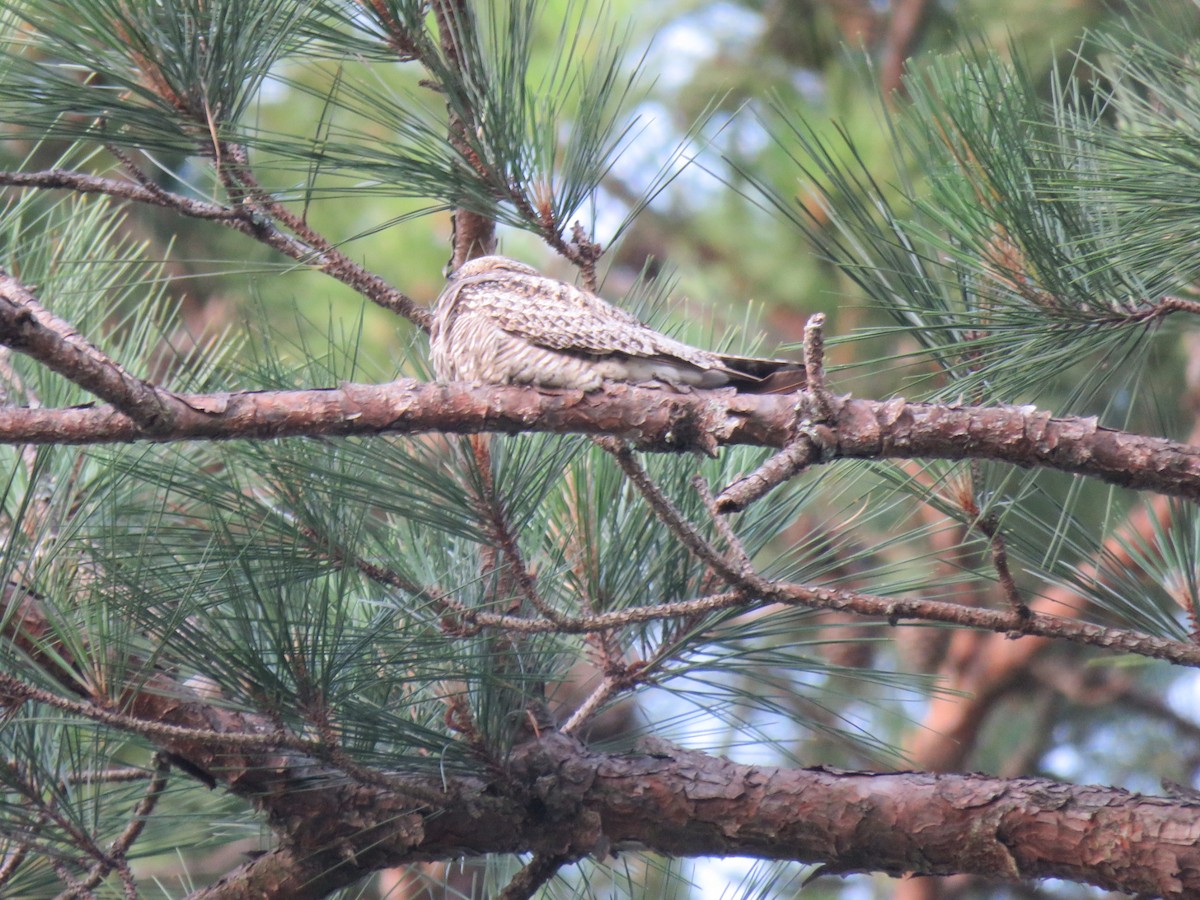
(498, 321)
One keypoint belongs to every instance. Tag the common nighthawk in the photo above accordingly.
(498, 321)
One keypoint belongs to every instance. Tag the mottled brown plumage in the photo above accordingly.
(499, 321)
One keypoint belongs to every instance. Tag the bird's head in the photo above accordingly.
(488, 265)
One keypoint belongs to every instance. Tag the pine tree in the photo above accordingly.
(281, 613)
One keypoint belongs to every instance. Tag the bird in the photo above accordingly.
(498, 321)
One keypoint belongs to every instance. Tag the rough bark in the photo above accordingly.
(556, 797)
(337, 821)
(652, 420)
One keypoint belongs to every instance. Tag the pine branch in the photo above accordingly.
(474, 233)
(682, 803)
(321, 255)
(18, 780)
(608, 688)
(513, 577)
(537, 871)
(996, 661)
(1013, 623)
(18, 852)
(812, 437)
(15, 690)
(652, 421)
(588, 800)
(29, 328)
(118, 189)
(118, 853)
(669, 514)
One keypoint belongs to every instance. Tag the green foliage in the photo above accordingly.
(511, 159)
(1021, 245)
(143, 74)
(252, 570)
(1143, 153)
(1029, 264)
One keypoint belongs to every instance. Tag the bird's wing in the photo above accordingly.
(559, 316)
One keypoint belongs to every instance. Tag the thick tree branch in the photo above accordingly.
(560, 799)
(286, 873)
(902, 823)
(651, 420)
(555, 798)
(29, 328)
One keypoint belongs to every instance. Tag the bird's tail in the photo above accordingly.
(755, 375)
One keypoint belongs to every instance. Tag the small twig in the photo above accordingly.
(120, 847)
(86, 183)
(234, 170)
(1150, 311)
(463, 617)
(145, 806)
(473, 234)
(456, 620)
(332, 752)
(13, 689)
(75, 889)
(12, 863)
(239, 180)
(465, 620)
(501, 559)
(894, 609)
(608, 687)
(804, 595)
(116, 858)
(499, 529)
(536, 872)
(111, 776)
(813, 440)
(134, 171)
(999, 553)
(668, 514)
(823, 407)
(989, 526)
(460, 718)
(1180, 304)
(740, 557)
(738, 572)
(604, 643)
(798, 455)
(588, 253)
(600, 622)
(82, 840)
(408, 46)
